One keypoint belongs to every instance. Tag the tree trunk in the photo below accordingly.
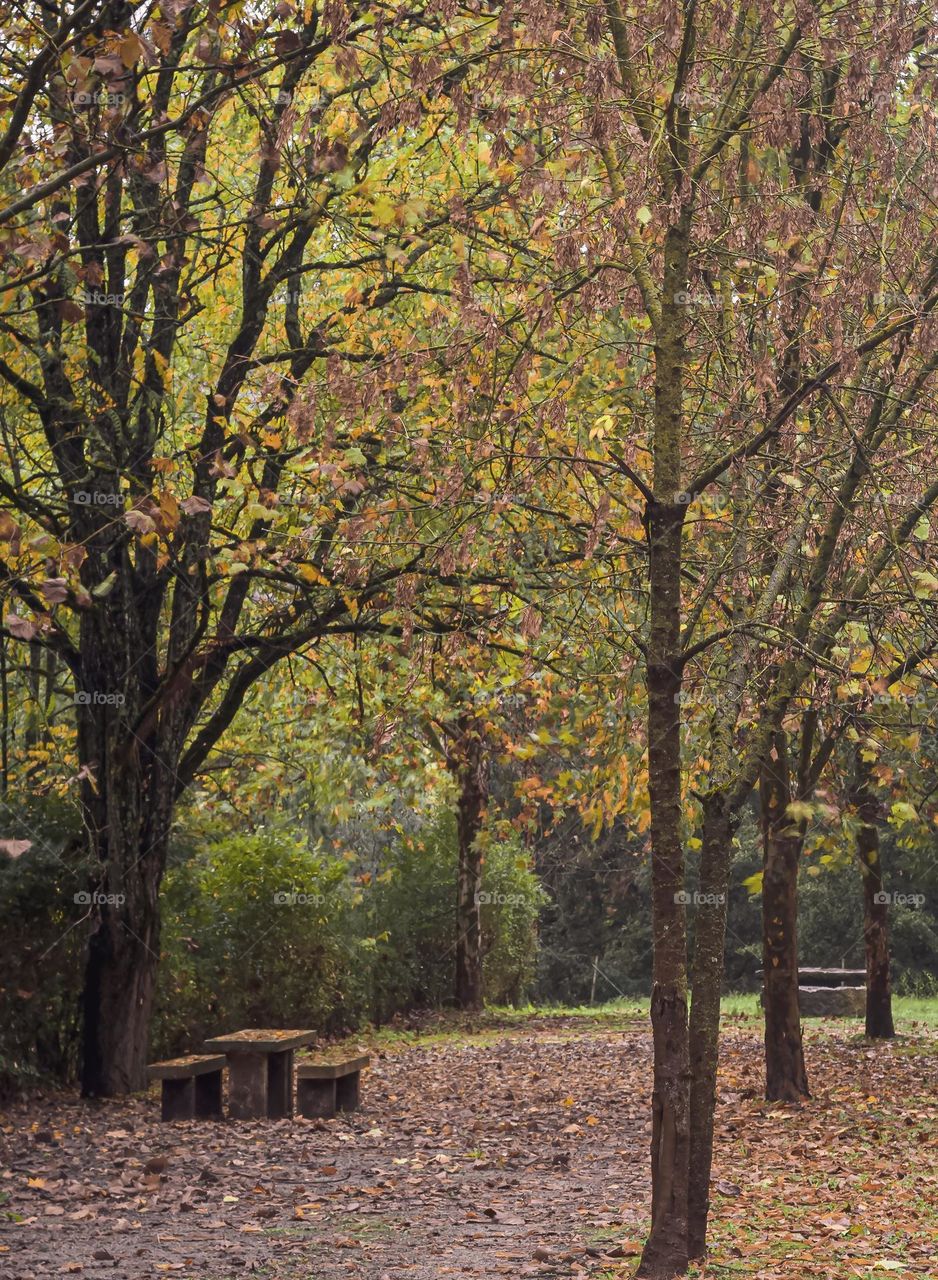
(719, 823)
(786, 1078)
(665, 1252)
(469, 764)
(120, 979)
(128, 793)
(879, 1022)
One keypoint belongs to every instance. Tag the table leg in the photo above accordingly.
(316, 1098)
(280, 1084)
(347, 1092)
(208, 1096)
(178, 1099)
(247, 1086)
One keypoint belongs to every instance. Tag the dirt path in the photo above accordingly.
(490, 1159)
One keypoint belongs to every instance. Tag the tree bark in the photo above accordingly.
(879, 1020)
(786, 1077)
(665, 1252)
(128, 785)
(469, 765)
(719, 823)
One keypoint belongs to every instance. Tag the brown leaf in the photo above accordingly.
(19, 627)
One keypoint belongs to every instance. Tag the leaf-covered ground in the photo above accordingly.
(521, 1150)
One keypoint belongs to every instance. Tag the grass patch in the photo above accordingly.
(913, 1015)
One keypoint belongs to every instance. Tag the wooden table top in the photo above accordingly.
(265, 1040)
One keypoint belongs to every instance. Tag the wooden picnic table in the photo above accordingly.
(260, 1071)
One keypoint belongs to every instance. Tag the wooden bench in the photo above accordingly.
(322, 1088)
(260, 1071)
(191, 1086)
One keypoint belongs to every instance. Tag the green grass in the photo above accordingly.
(906, 1011)
(912, 1015)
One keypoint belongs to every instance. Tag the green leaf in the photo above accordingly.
(106, 587)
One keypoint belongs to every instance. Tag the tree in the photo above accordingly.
(733, 197)
(209, 468)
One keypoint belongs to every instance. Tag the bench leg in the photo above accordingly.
(178, 1099)
(347, 1092)
(208, 1096)
(247, 1086)
(280, 1084)
(316, 1098)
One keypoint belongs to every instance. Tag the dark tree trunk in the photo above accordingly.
(120, 978)
(786, 1077)
(879, 1021)
(128, 761)
(665, 1252)
(470, 766)
(719, 823)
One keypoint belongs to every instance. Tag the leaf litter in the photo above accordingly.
(525, 1155)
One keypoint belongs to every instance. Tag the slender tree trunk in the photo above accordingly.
(879, 1021)
(469, 765)
(719, 823)
(786, 1078)
(665, 1252)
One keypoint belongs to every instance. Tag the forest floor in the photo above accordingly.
(516, 1146)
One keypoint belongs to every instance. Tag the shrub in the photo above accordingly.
(256, 930)
(43, 934)
(410, 913)
(512, 902)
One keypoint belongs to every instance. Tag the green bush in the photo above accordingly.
(511, 906)
(43, 934)
(256, 931)
(410, 913)
(354, 945)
